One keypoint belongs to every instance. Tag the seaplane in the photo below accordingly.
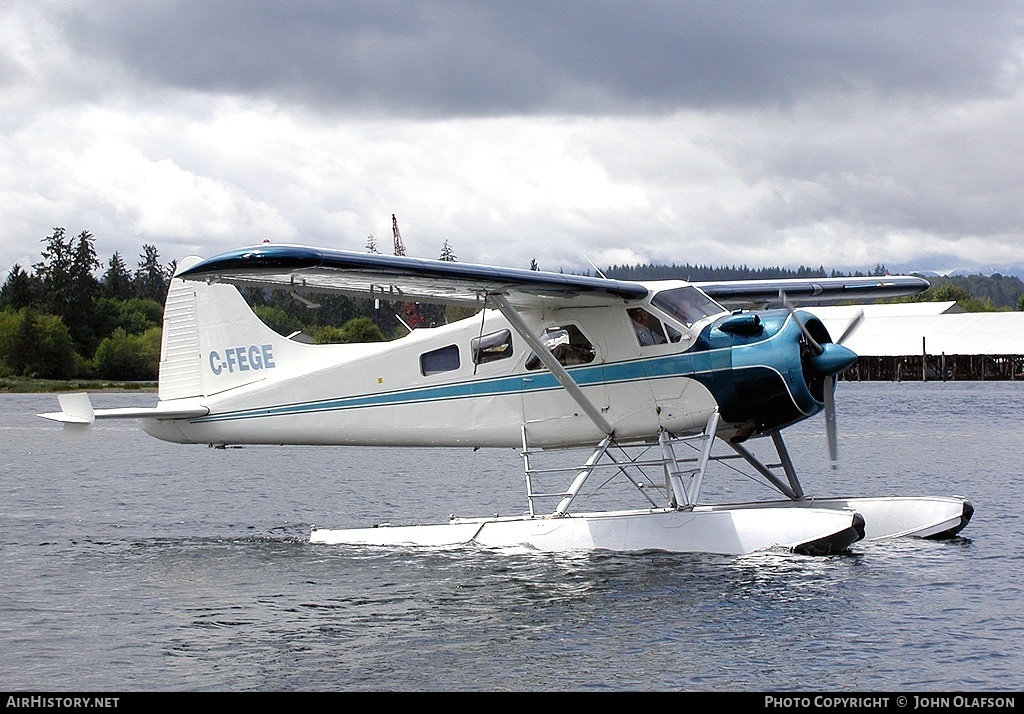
(646, 382)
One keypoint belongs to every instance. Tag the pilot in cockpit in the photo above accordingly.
(647, 329)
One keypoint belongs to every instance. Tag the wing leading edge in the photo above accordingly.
(819, 289)
(403, 278)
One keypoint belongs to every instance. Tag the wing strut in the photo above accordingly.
(559, 372)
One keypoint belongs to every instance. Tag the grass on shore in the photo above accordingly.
(29, 385)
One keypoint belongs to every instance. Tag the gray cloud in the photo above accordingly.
(449, 58)
(799, 132)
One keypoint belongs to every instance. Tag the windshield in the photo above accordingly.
(688, 305)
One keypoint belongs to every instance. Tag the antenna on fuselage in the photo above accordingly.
(596, 269)
(404, 323)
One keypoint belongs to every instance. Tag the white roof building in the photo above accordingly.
(933, 328)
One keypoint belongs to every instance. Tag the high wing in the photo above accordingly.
(403, 278)
(816, 289)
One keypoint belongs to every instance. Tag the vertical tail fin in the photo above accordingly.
(180, 374)
(212, 341)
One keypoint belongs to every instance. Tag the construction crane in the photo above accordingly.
(410, 310)
(399, 246)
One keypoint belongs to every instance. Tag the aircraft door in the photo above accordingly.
(550, 414)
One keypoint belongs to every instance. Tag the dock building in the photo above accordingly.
(928, 341)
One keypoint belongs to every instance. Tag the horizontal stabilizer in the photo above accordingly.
(77, 409)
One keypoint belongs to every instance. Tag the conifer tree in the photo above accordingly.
(19, 289)
(447, 254)
(117, 281)
(69, 288)
(54, 273)
(151, 279)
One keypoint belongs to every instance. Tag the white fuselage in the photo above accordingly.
(423, 389)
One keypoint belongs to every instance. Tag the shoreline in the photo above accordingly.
(26, 385)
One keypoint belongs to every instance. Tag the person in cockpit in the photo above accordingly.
(642, 327)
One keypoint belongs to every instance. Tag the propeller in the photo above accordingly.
(829, 359)
(830, 396)
(813, 343)
(852, 327)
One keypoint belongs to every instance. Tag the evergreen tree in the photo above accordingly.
(19, 289)
(85, 291)
(70, 290)
(447, 254)
(151, 279)
(54, 273)
(85, 286)
(117, 281)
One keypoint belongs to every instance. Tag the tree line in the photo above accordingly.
(64, 318)
(59, 321)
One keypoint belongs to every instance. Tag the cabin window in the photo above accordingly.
(688, 305)
(445, 359)
(647, 327)
(568, 344)
(492, 347)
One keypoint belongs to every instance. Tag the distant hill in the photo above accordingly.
(1003, 290)
(694, 273)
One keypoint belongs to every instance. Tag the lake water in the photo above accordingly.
(133, 565)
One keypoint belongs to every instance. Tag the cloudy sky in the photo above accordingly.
(788, 133)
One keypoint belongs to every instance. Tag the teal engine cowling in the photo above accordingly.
(777, 371)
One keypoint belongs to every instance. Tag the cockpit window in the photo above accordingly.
(647, 327)
(688, 305)
(567, 344)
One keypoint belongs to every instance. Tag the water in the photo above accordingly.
(129, 564)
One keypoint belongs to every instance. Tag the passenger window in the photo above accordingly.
(445, 359)
(492, 347)
(567, 344)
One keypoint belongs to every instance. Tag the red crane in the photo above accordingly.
(412, 318)
(399, 246)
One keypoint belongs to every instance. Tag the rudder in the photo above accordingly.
(212, 340)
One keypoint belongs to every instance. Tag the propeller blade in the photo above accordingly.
(852, 327)
(818, 349)
(830, 421)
